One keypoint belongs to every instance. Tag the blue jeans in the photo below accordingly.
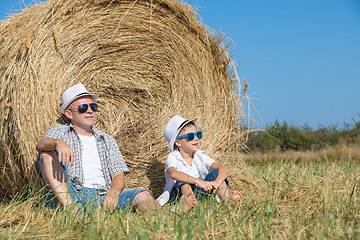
(87, 198)
(200, 193)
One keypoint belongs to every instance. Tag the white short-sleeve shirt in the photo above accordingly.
(93, 174)
(199, 169)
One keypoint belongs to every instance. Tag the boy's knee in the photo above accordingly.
(214, 172)
(212, 175)
(185, 188)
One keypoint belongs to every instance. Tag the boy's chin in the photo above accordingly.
(195, 148)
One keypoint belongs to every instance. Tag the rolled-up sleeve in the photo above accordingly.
(207, 160)
(171, 161)
(116, 162)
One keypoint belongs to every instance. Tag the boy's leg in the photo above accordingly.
(187, 190)
(55, 177)
(175, 193)
(187, 200)
(180, 189)
(223, 191)
(183, 196)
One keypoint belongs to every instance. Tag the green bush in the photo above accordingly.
(282, 136)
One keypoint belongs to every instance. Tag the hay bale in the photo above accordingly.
(148, 60)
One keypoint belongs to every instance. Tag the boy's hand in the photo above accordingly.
(207, 186)
(216, 184)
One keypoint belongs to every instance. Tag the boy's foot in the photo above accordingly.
(237, 196)
(186, 202)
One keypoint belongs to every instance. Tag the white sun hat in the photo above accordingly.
(72, 93)
(173, 128)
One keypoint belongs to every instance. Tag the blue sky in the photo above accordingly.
(301, 58)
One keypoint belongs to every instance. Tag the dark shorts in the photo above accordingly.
(200, 193)
(87, 198)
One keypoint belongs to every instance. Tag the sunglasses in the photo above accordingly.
(191, 136)
(84, 107)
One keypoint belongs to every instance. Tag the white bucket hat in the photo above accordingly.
(72, 93)
(173, 128)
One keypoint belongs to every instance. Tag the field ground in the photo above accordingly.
(311, 195)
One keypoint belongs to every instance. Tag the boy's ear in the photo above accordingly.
(177, 143)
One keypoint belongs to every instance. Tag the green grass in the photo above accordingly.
(303, 198)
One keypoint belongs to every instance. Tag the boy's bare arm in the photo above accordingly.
(222, 174)
(183, 177)
(65, 152)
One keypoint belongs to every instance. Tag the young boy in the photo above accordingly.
(189, 169)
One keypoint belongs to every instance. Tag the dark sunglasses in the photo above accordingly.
(84, 107)
(191, 136)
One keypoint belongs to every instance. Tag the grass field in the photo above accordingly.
(310, 195)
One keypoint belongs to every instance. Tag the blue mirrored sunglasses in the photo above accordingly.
(191, 136)
(84, 107)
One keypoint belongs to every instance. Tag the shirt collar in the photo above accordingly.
(180, 158)
(97, 133)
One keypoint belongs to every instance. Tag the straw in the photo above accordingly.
(148, 61)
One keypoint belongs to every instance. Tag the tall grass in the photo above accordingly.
(339, 153)
(305, 197)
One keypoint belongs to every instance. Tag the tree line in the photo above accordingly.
(281, 136)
